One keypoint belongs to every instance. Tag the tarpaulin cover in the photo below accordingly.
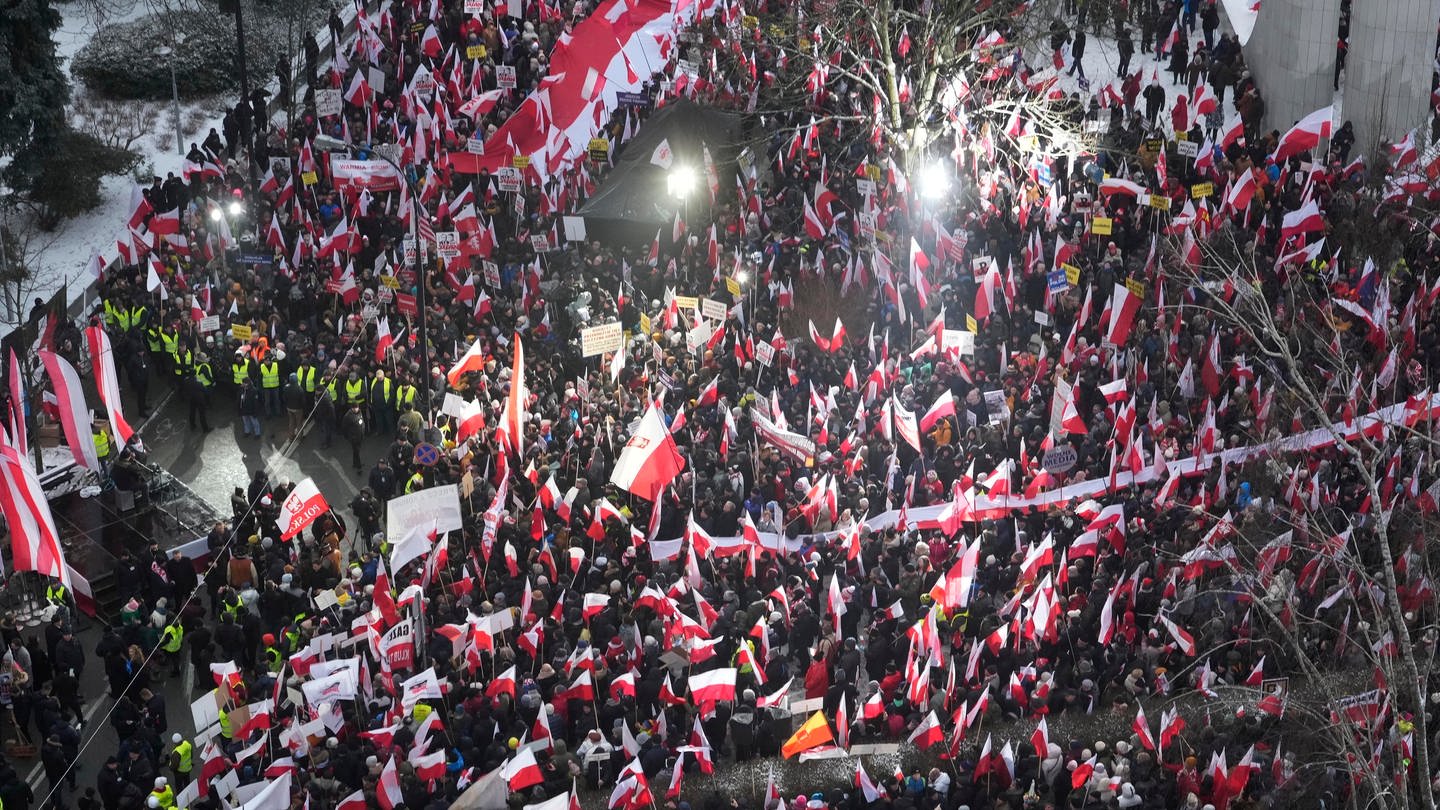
(634, 199)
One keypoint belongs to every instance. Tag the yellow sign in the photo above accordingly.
(733, 286)
(1182, 136)
(750, 22)
(391, 282)
(1135, 287)
(599, 145)
(873, 171)
(971, 324)
(240, 332)
(644, 323)
(1102, 226)
(1072, 274)
(687, 302)
(1159, 202)
(1202, 190)
(520, 161)
(309, 178)
(475, 52)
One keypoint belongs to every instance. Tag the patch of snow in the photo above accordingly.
(67, 251)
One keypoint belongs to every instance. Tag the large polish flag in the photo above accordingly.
(74, 416)
(650, 460)
(512, 418)
(34, 539)
(1306, 134)
(1123, 307)
(102, 359)
(715, 685)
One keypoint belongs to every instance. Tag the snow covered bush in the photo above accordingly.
(120, 61)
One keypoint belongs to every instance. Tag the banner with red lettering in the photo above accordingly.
(304, 505)
(376, 175)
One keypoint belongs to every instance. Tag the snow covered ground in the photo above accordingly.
(61, 257)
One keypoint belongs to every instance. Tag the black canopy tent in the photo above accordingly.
(635, 200)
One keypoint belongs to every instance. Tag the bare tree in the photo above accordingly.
(1335, 560)
(914, 73)
(118, 123)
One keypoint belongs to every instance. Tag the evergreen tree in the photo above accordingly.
(33, 88)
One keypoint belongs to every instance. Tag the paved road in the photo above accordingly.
(214, 463)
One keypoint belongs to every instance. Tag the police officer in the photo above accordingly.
(154, 340)
(239, 370)
(169, 347)
(270, 384)
(308, 376)
(404, 395)
(182, 362)
(355, 391)
(139, 315)
(197, 391)
(117, 317)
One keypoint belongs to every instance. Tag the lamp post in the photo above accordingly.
(679, 181)
(165, 52)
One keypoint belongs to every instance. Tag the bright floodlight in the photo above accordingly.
(215, 214)
(236, 209)
(934, 181)
(680, 181)
(742, 276)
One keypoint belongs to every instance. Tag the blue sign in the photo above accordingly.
(1058, 281)
(427, 455)
(632, 99)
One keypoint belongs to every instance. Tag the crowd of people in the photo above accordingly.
(822, 541)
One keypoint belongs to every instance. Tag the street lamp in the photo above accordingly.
(165, 52)
(236, 209)
(680, 181)
(934, 181)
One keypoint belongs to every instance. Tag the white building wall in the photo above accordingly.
(1291, 54)
(1387, 73)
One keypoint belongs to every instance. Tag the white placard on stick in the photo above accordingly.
(596, 340)
(328, 103)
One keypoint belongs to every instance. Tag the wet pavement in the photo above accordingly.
(213, 463)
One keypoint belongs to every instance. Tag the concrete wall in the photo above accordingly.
(1291, 54)
(1387, 72)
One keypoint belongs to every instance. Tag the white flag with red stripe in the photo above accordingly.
(650, 460)
(74, 416)
(102, 360)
